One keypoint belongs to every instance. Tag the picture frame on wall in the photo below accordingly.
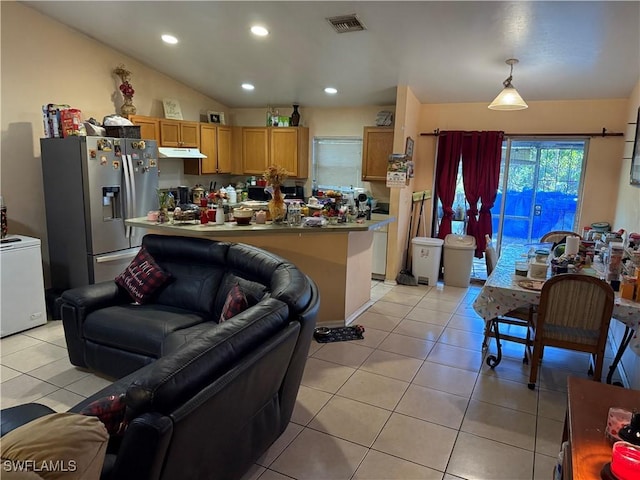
(635, 157)
(408, 150)
(172, 109)
(215, 117)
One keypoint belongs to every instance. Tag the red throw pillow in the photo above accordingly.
(143, 277)
(110, 411)
(235, 303)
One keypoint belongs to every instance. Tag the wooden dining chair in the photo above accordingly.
(557, 236)
(490, 255)
(574, 313)
(520, 317)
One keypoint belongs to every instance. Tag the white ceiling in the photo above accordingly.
(445, 51)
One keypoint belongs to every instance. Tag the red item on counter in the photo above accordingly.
(211, 214)
(625, 461)
(204, 218)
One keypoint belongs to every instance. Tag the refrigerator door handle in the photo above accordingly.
(116, 256)
(128, 182)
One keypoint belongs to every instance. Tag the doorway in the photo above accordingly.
(539, 190)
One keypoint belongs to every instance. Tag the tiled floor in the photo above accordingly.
(413, 400)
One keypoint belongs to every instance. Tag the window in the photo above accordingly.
(337, 162)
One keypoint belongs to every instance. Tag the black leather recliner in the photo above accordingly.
(209, 407)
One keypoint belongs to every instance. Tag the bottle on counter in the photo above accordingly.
(204, 218)
(231, 194)
(219, 214)
(269, 116)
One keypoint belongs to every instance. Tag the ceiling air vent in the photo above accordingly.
(346, 23)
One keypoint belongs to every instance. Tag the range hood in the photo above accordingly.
(164, 152)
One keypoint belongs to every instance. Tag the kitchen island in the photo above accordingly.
(336, 257)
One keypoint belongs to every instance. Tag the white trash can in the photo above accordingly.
(425, 262)
(458, 259)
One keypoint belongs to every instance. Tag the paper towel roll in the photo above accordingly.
(573, 244)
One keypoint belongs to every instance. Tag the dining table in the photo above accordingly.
(505, 291)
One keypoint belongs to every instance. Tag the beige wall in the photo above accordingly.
(628, 205)
(628, 217)
(406, 125)
(46, 62)
(585, 116)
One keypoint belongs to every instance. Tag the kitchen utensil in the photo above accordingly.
(405, 277)
(424, 195)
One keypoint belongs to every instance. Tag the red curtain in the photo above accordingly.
(490, 153)
(471, 179)
(481, 157)
(449, 150)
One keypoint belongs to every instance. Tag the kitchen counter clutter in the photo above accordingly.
(337, 257)
(193, 228)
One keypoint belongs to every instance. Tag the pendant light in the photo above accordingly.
(509, 98)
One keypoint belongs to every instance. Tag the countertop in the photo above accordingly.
(232, 229)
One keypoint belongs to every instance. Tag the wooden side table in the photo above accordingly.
(585, 423)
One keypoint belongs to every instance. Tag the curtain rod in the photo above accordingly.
(604, 133)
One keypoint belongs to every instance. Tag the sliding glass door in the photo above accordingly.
(540, 189)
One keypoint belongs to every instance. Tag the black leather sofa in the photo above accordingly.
(204, 400)
(107, 333)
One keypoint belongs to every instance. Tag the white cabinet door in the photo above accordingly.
(379, 260)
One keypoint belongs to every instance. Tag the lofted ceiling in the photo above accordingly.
(447, 52)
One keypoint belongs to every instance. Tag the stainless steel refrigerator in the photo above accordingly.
(91, 185)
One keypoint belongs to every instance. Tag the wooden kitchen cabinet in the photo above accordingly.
(377, 145)
(215, 143)
(289, 148)
(177, 133)
(255, 150)
(149, 126)
(284, 146)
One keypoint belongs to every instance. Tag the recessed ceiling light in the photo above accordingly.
(259, 31)
(248, 86)
(169, 39)
(331, 90)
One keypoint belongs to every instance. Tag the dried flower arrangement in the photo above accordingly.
(125, 75)
(126, 89)
(275, 175)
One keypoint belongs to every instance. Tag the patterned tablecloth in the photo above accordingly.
(501, 294)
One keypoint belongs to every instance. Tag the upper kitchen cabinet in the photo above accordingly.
(149, 126)
(177, 133)
(289, 148)
(377, 145)
(255, 150)
(284, 146)
(215, 143)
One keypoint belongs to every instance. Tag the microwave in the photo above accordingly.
(292, 193)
